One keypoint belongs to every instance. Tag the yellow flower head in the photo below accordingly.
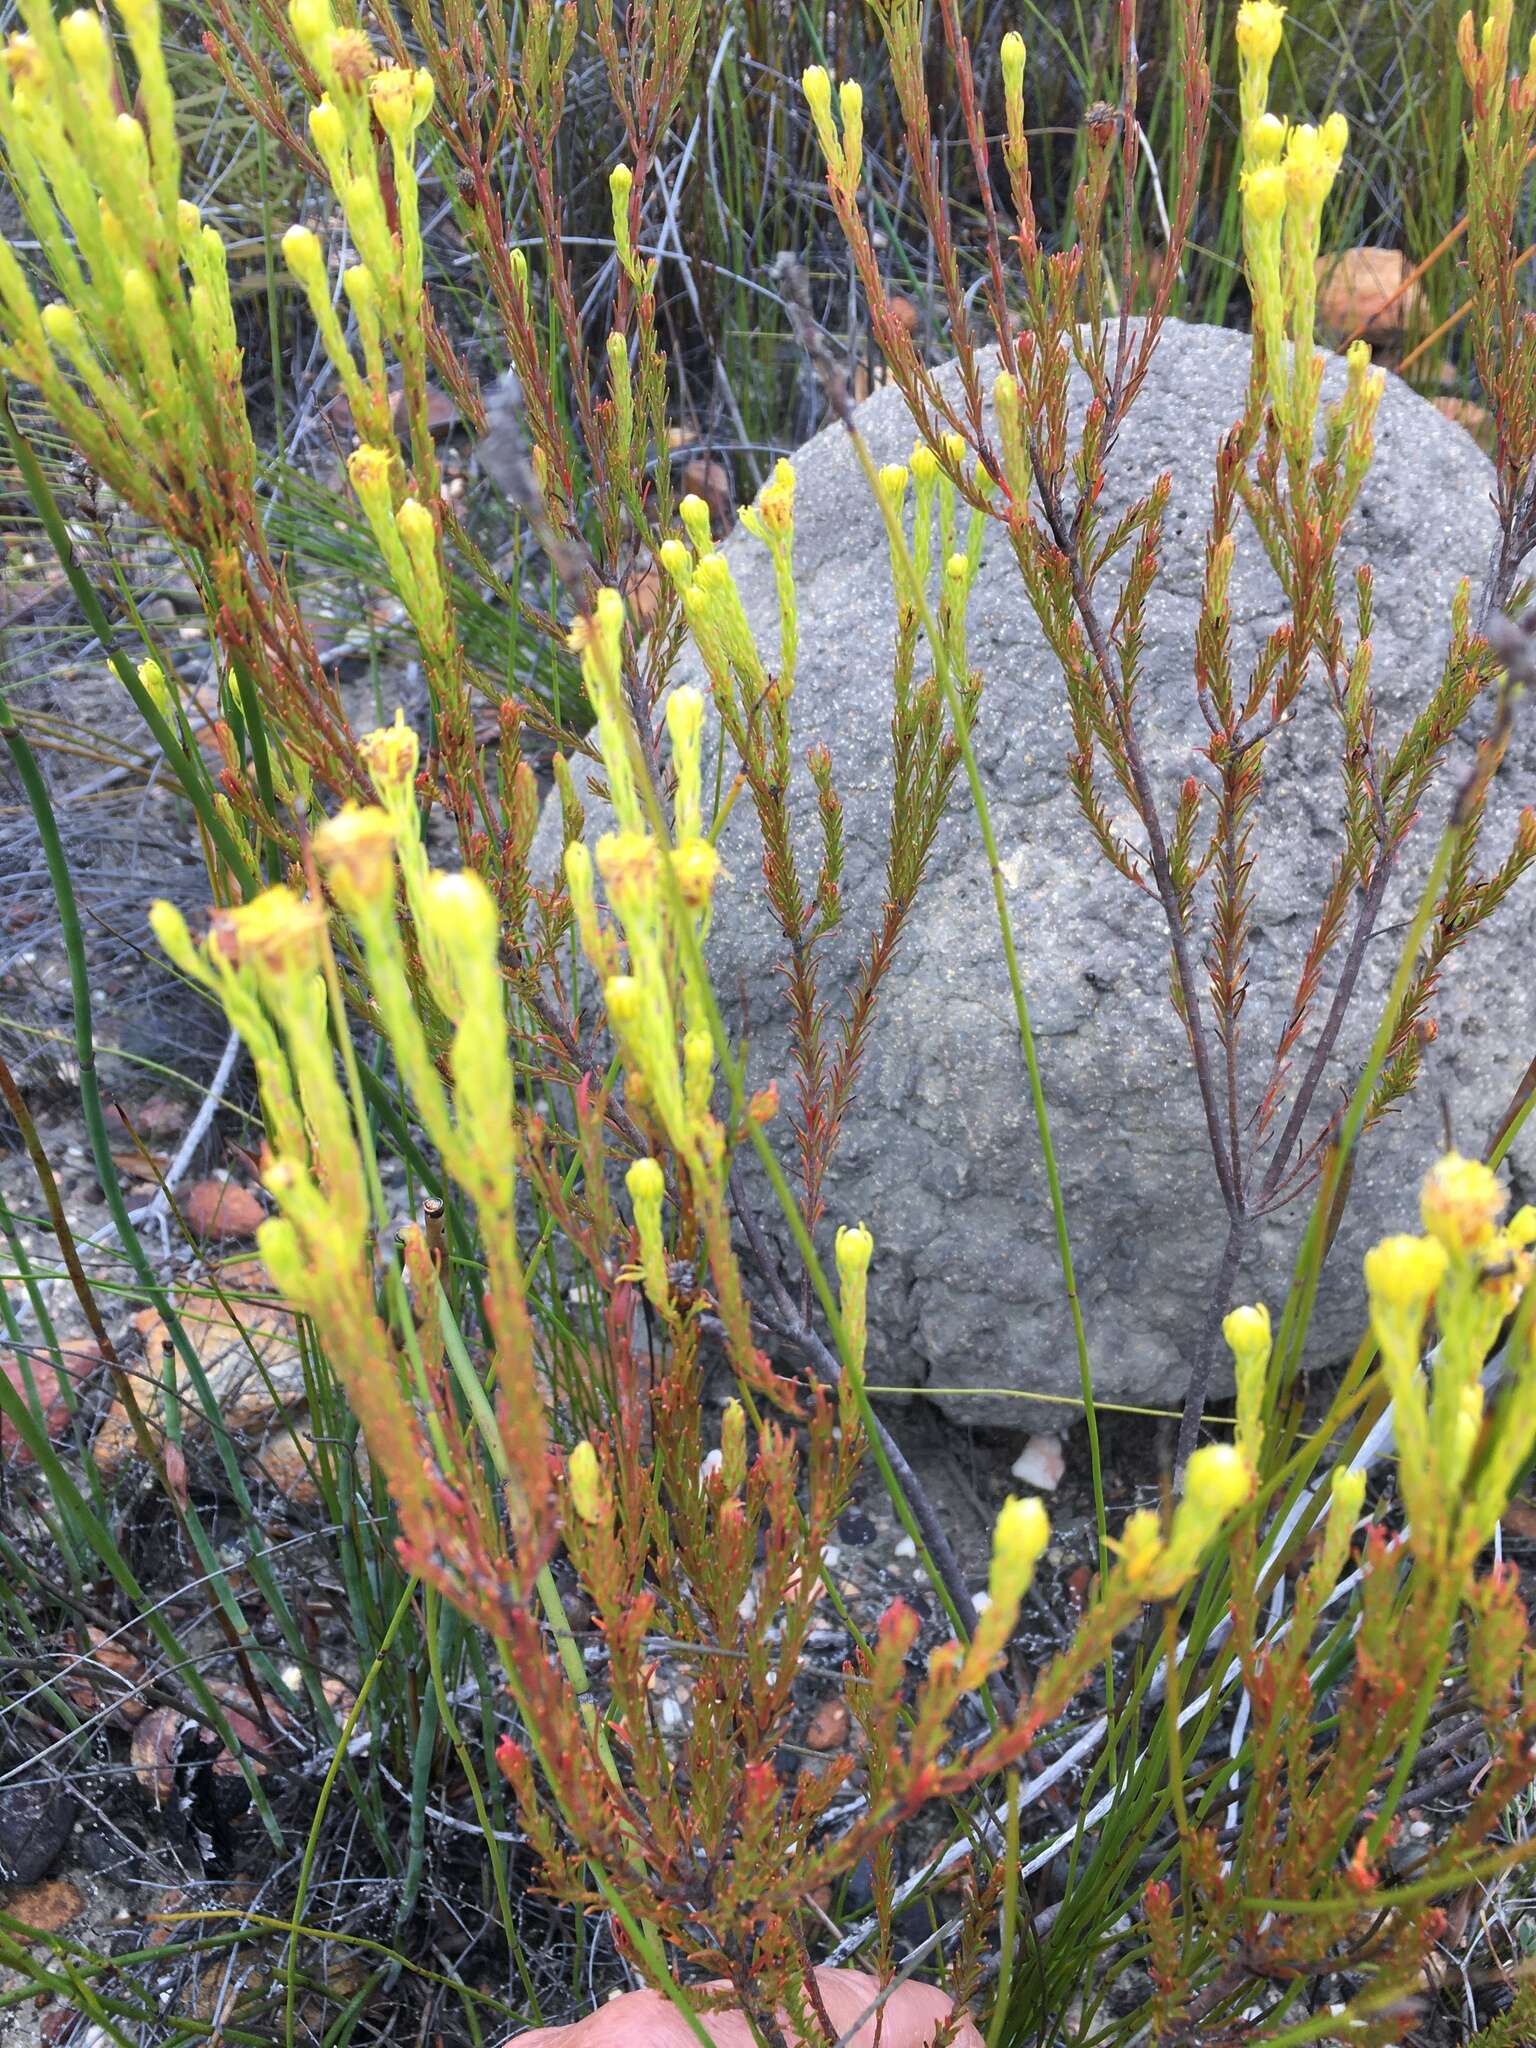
(696, 866)
(733, 1446)
(1013, 54)
(356, 852)
(589, 1490)
(624, 998)
(628, 865)
(1461, 1203)
(304, 257)
(1260, 25)
(685, 716)
(152, 676)
(1403, 1272)
(1265, 139)
(62, 326)
(647, 1185)
(694, 514)
(369, 470)
(893, 483)
(416, 525)
(392, 95)
(391, 754)
(1264, 192)
(362, 293)
(1335, 136)
(817, 87)
(1019, 1541)
(854, 1248)
(1247, 1331)
(84, 41)
(1140, 1544)
(776, 500)
(1310, 167)
(26, 64)
(462, 912)
(713, 576)
(677, 561)
(1218, 1481)
(276, 934)
(328, 132)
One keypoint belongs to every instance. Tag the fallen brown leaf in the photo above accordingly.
(253, 1740)
(148, 1167)
(106, 1675)
(241, 1344)
(153, 1750)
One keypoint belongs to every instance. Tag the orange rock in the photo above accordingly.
(646, 2019)
(903, 312)
(642, 586)
(829, 1725)
(222, 1209)
(42, 1385)
(45, 1907)
(1477, 419)
(1358, 293)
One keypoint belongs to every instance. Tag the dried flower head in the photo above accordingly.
(356, 852)
(391, 754)
(353, 58)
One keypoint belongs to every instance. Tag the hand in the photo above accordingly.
(647, 2019)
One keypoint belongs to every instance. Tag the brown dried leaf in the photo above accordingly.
(241, 1344)
(153, 1750)
(107, 1675)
